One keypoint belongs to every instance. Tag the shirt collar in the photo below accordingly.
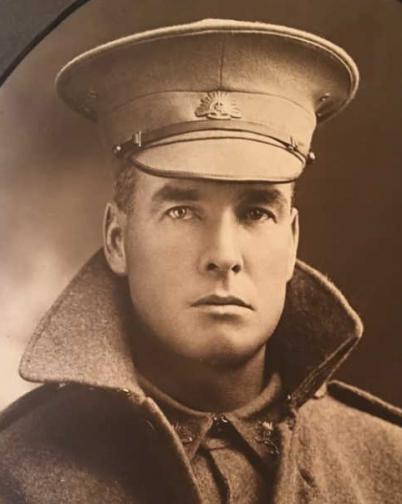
(252, 422)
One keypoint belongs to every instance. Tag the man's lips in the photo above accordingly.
(218, 300)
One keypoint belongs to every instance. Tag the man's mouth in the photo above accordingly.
(218, 300)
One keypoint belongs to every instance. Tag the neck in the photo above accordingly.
(202, 386)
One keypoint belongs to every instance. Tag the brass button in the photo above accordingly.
(219, 424)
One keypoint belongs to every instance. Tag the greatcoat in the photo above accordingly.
(90, 434)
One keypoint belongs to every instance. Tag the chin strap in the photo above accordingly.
(164, 136)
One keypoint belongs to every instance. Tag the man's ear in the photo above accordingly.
(294, 241)
(114, 222)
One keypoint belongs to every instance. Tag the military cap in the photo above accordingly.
(216, 99)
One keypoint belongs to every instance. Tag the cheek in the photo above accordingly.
(269, 259)
(158, 262)
(269, 272)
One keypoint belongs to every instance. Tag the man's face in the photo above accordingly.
(208, 262)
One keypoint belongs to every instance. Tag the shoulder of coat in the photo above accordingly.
(26, 403)
(52, 403)
(364, 401)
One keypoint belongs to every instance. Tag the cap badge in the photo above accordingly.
(218, 105)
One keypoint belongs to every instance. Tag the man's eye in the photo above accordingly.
(180, 213)
(258, 214)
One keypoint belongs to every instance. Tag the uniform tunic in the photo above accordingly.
(232, 455)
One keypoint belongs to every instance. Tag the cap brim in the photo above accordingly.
(232, 159)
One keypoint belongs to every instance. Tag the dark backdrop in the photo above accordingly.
(53, 179)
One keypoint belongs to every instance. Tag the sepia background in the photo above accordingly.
(54, 178)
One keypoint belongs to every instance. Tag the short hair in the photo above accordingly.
(124, 185)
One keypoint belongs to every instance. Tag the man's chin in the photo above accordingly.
(229, 355)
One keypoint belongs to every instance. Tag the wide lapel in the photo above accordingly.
(84, 337)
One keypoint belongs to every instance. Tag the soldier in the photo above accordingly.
(189, 360)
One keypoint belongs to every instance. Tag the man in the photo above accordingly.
(189, 361)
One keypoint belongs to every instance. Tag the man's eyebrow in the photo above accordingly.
(171, 192)
(264, 196)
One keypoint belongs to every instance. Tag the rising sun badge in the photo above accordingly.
(218, 105)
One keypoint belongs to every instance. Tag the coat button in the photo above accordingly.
(220, 422)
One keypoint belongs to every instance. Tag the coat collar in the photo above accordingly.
(84, 337)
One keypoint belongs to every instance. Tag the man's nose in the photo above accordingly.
(222, 254)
